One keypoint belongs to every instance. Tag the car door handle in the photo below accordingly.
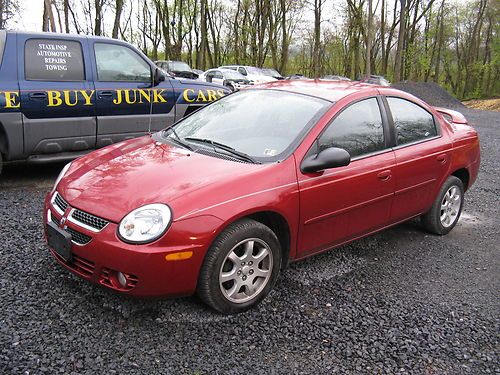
(105, 94)
(37, 95)
(385, 175)
(441, 158)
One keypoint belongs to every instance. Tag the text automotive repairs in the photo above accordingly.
(71, 98)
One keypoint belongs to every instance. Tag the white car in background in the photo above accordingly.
(226, 77)
(254, 74)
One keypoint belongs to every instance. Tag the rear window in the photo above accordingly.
(53, 60)
(3, 35)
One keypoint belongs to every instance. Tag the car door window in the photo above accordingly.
(357, 129)
(218, 75)
(53, 60)
(412, 122)
(209, 76)
(242, 71)
(120, 63)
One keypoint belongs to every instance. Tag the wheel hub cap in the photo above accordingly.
(450, 206)
(246, 270)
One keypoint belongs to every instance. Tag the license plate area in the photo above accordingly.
(59, 240)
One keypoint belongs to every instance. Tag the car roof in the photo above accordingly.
(329, 90)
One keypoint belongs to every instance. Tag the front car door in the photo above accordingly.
(218, 77)
(125, 96)
(340, 204)
(422, 157)
(57, 94)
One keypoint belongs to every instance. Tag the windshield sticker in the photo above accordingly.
(269, 152)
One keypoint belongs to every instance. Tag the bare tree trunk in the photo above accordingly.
(98, 18)
(369, 39)
(202, 64)
(118, 14)
(50, 15)
(398, 66)
(284, 41)
(66, 15)
(317, 38)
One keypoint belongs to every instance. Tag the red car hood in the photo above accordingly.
(113, 181)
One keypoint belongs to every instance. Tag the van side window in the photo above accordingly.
(53, 60)
(120, 63)
(357, 129)
(412, 122)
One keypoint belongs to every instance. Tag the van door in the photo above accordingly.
(124, 93)
(57, 94)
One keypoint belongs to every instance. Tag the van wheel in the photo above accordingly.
(446, 210)
(240, 268)
(1, 163)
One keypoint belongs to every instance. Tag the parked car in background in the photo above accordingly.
(63, 95)
(227, 77)
(272, 73)
(297, 76)
(256, 75)
(223, 200)
(335, 78)
(198, 71)
(375, 80)
(177, 69)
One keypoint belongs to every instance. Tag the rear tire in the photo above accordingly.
(240, 268)
(1, 163)
(447, 208)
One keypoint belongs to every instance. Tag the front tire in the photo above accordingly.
(446, 210)
(240, 268)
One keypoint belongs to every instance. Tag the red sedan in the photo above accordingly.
(222, 201)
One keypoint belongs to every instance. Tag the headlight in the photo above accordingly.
(61, 175)
(145, 224)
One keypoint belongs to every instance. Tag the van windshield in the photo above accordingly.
(3, 36)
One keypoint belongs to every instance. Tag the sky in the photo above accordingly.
(29, 17)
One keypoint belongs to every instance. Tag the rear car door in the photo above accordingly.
(57, 94)
(343, 203)
(124, 93)
(422, 157)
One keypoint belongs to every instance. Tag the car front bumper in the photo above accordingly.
(151, 270)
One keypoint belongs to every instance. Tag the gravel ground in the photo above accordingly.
(401, 301)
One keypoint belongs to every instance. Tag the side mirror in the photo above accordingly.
(331, 157)
(158, 77)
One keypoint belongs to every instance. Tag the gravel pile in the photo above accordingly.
(401, 301)
(431, 93)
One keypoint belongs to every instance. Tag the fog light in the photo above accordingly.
(121, 279)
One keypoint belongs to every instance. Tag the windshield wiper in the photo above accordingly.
(224, 147)
(177, 139)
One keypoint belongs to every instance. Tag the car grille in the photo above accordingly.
(77, 237)
(82, 265)
(88, 219)
(55, 220)
(60, 202)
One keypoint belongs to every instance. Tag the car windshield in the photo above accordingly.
(260, 123)
(271, 72)
(179, 66)
(231, 74)
(255, 71)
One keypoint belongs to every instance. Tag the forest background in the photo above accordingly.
(453, 43)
